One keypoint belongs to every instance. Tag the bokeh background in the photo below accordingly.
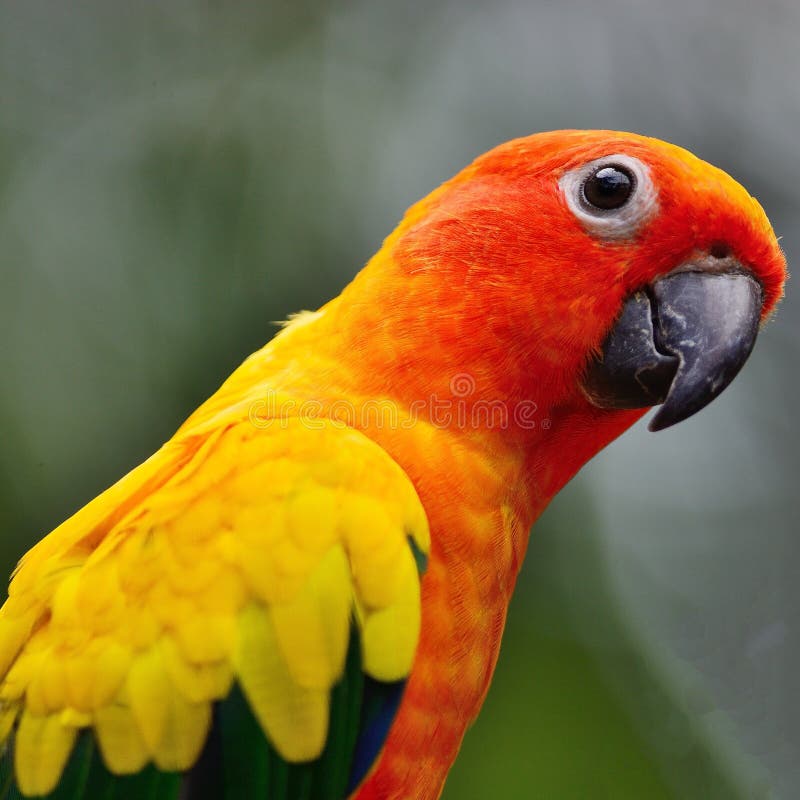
(176, 175)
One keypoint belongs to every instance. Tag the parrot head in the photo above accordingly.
(588, 270)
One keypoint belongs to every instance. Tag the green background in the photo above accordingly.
(175, 176)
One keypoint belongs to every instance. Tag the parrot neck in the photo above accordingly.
(462, 381)
(388, 372)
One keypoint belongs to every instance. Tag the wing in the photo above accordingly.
(260, 585)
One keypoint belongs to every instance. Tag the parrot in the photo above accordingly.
(301, 595)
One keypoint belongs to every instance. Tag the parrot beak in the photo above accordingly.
(679, 341)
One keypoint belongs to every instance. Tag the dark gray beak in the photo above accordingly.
(679, 342)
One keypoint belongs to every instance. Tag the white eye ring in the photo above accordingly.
(614, 223)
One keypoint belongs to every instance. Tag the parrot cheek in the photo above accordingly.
(678, 342)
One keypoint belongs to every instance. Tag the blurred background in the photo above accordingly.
(175, 175)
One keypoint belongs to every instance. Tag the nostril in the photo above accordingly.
(719, 250)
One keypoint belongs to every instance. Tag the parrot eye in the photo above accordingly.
(609, 187)
(612, 197)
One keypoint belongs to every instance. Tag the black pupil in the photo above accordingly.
(609, 187)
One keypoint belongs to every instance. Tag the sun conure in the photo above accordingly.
(302, 593)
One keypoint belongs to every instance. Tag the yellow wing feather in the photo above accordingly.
(243, 555)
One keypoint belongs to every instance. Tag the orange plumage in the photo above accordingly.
(494, 278)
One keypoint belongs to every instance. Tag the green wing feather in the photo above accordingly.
(238, 762)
